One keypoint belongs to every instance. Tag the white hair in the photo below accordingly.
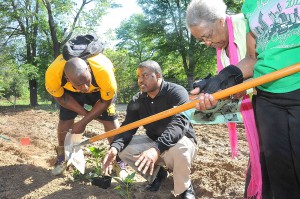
(205, 11)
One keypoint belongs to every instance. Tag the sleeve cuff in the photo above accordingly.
(162, 148)
(117, 146)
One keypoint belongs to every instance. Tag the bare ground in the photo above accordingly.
(25, 169)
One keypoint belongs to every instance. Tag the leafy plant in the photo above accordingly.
(78, 176)
(124, 189)
(95, 160)
(125, 185)
(93, 164)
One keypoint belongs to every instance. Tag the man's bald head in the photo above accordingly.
(77, 71)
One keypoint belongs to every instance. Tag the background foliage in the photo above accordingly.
(33, 32)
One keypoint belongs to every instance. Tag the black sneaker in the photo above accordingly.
(189, 193)
(160, 177)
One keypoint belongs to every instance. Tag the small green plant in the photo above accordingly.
(125, 186)
(94, 165)
(95, 160)
(77, 176)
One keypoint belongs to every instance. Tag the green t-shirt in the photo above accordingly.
(276, 25)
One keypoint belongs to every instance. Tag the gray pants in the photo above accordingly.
(178, 158)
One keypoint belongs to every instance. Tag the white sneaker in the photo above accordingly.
(61, 164)
(59, 168)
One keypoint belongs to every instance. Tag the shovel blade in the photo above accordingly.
(77, 159)
(73, 154)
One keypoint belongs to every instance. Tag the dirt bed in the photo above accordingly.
(25, 169)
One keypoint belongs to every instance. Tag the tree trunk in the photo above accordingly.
(190, 81)
(15, 99)
(33, 92)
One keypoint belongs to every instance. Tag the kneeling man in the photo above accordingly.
(170, 142)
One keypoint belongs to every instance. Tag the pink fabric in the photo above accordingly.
(234, 59)
(233, 139)
(255, 185)
(230, 125)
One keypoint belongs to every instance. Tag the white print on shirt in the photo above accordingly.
(275, 21)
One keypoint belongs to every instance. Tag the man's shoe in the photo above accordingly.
(120, 169)
(160, 177)
(189, 193)
(61, 164)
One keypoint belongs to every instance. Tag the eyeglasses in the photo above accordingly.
(208, 34)
(207, 37)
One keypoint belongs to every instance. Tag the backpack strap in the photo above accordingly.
(94, 83)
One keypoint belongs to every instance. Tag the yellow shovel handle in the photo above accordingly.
(218, 95)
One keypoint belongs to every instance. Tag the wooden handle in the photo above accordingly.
(218, 95)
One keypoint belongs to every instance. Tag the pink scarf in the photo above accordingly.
(255, 185)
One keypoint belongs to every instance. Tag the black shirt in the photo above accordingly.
(165, 132)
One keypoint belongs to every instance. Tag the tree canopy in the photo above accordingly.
(33, 32)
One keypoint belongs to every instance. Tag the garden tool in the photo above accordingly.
(73, 141)
(74, 155)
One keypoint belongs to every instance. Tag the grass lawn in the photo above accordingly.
(25, 104)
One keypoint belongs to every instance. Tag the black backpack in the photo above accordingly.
(82, 46)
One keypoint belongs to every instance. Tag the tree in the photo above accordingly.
(234, 6)
(21, 22)
(125, 72)
(15, 78)
(166, 21)
(34, 22)
(140, 46)
(67, 16)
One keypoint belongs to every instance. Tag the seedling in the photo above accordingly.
(93, 164)
(77, 176)
(125, 186)
(95, 161)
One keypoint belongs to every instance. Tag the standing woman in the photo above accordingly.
(273, 43)
(209, 23)
(273, 26)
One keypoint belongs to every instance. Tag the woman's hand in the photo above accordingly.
(207, 101)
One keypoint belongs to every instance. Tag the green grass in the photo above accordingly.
(22, 104)
(25, 104)
(4, 102)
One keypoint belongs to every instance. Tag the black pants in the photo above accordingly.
(266, 187)
(89, 99)
(278, 120)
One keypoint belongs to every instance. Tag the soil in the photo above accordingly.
(25, 169)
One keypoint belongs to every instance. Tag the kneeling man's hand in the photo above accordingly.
(147, 160)
(108, 161)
